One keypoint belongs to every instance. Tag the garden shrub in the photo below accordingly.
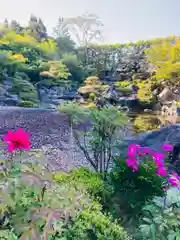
(27, 104)
(92, 96)
(91, 181)
(123, 84)
(133, 188)
(160, 219)
(125, 91)
(35, 206)
(147, 122)
(92, 224)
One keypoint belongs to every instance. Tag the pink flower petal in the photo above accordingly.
(162, 171)
(147, 150)
(167, 147)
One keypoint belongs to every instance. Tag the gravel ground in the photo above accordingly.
(48, 130)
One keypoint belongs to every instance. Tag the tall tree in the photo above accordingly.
(63, 39)
(6, 23)
(165, 58)
(61, 29)
(15, 26)
(85, 29)
(36, 28)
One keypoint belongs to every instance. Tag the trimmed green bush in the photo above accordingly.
(93, 224)
(27, 104)
(92, 181)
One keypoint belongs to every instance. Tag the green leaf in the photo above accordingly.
(172, 236)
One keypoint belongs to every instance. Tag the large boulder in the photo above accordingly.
(154, 139)
(166, 95)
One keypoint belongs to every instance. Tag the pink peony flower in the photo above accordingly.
(132, 150)
(132, 163)
(167, 147)
(162, 171)
(174, 179)
(140, 154)
(17, 140)
(147, 150)
(159, 163)
(158, 156)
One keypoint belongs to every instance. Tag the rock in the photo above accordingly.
(6, 98)
(154, 139)
(166, 95)
(155, 92)
(157, 107)
(55, 95)
(169, 108)
(147, 110)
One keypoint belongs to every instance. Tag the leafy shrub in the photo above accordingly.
(92, 96)
(92, 224)
(125, 91)
(123, 84)
(178, 103)
(92, 80)
(133, 188)
(35, 206)
(99, 139)
(92, 181)
(144, 123)
(27, 104)
(160, 219)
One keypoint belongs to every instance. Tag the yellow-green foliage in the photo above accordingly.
(141, 42)
(144, 93)
(178, 103)
(56, 70)
(93, 80)
(17, 58)
(143, 123)
(165, 57)
(92, 96)
(11, 37)
(92, 85)
(123, 84)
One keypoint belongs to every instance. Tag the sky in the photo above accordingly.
(124, 20)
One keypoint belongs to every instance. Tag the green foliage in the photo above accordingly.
(164, 56)
(123, 84)
(92, 224)
(133, 189)
(92, 96)
(125, 91)
(160, 219)
(143, 123)
(144, 93)
(27, 104)
(74, 66)
(99, 139)
(92, 181)
(32, 204)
